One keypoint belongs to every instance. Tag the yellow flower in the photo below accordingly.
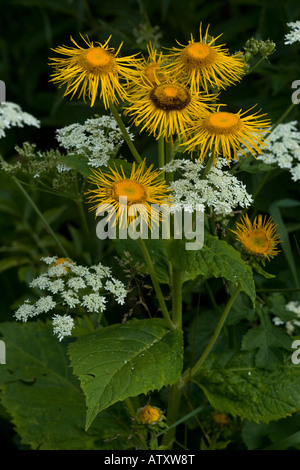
(220, 418)
(258, 238)
(92, 70)
(150, 70)
(228, 134)
(61, 261)
(165, 109)
(149, 415)
(205, 64)
(142, 189)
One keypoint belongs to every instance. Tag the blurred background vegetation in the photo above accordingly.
(28, 31)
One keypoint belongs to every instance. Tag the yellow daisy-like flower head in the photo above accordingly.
(149, 415)
(204, 64)
(258, 238)
(228, 134)
(116, 193)
(150, 69)
(165, 109)
(92, 70)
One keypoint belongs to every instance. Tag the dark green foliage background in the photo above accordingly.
(28, 31)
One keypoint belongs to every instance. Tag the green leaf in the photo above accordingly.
(276, 305)
(251, 165)
(78, 163)
(215, 259)
(44, 399)
(261, 271)
(284, 236)
(290, 441)
(234, 385)
(8, 263)
(130, 251)
(268, 341)
(241, 310)
(125, 360)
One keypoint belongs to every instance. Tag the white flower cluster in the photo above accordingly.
(74, 286)
(283, 148)
(11, 115)
(62, 325)
(99, 139)
(290, 325)
(294, 34)
(220, 190)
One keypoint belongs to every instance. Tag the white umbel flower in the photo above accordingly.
(283, 149)
(62, 325)
(94, 303)
(44, 304)
(294, 35)
(11, 115)
(76, 288)
(220, 190)
(98, 138)
(25, 311)
(293, 306)
(117, 288)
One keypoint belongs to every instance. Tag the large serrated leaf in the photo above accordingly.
(125, 360)
(215, 259)
(234, 385)
(44, 399)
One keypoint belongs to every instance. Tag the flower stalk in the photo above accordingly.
(156, 285)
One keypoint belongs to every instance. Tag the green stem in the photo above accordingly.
(208, 165)
(195, 369)
(155, 283)
(85, 227)
(282, 117)
(255, 65)
(172, 413)
(153, 441)
(161, 152)
(177, 296)
(175, 391)
(125, 134)
(89, 323)
(211, 295)
(38, 212)
(262, 183)
(169, 159)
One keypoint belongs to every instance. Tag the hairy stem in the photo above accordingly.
(155, 283)
(169, 158)
(85, 227)
(161, 152)
(172, 413)
(177, 296)
(125, 134)
(191, 373)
